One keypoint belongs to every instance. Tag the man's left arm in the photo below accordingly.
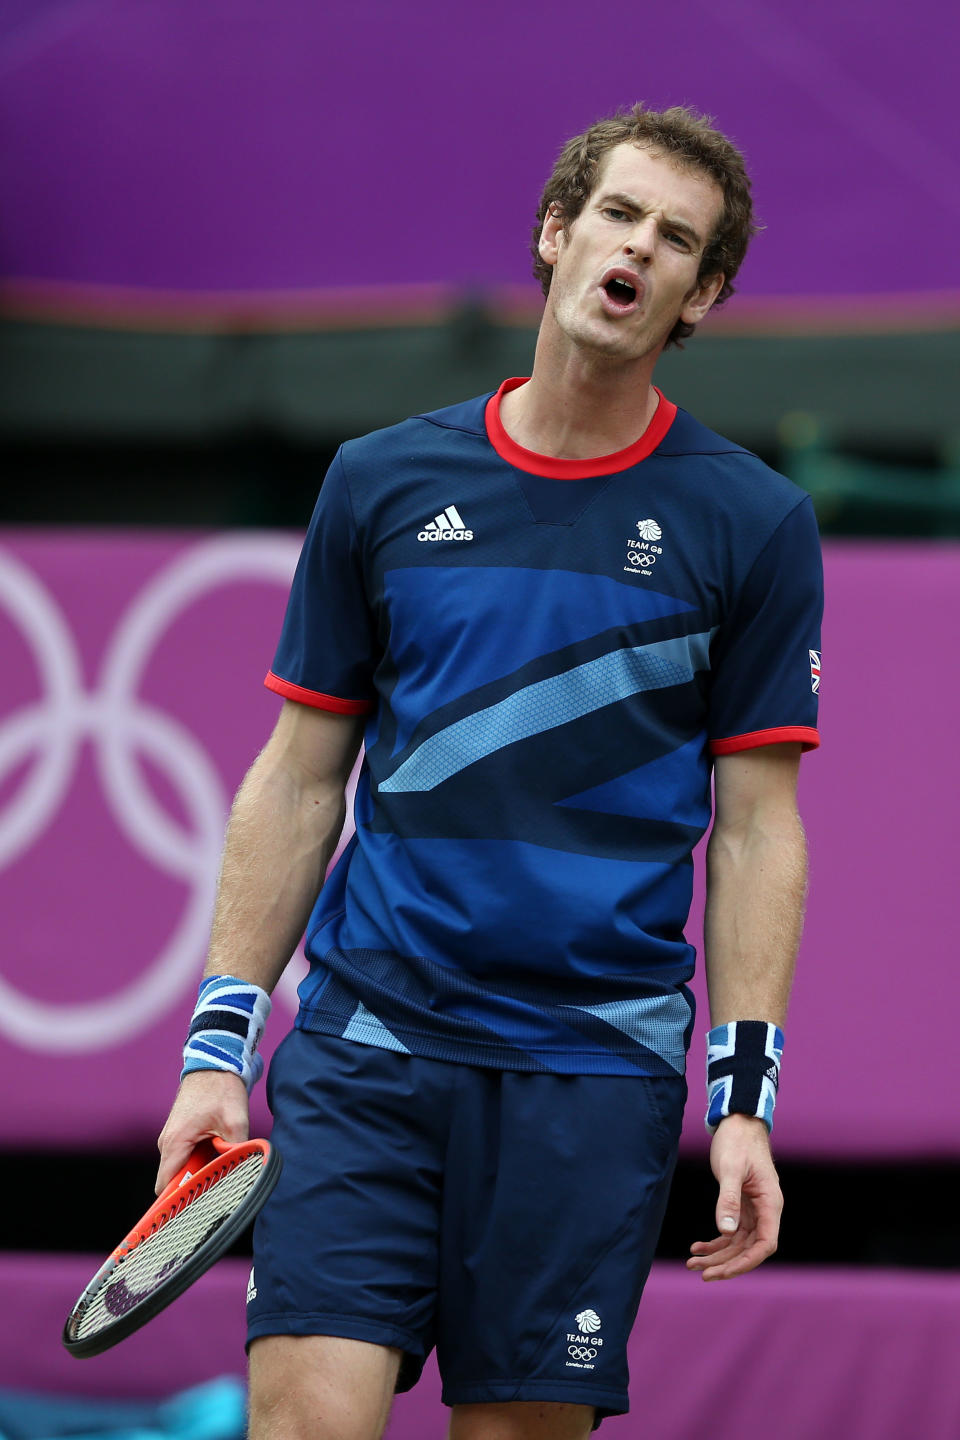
(756, 886)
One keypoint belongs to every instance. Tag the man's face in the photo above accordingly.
(626, 269)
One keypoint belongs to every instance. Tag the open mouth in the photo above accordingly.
(621, 291)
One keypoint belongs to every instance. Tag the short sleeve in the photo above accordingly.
(327, 652)
(765, 658)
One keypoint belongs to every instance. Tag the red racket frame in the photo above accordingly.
(209, 1162)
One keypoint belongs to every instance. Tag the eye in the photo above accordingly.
(615, 214)
(678, 240)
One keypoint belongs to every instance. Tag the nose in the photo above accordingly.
(641, 241)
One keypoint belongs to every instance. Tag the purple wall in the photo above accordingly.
(132, 704)
(796, 1353)
(236, 146)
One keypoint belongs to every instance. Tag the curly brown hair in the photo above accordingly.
(689, 140)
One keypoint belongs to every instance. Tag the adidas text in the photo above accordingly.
(446, 526)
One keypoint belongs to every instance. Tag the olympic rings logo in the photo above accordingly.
(581, 1352)
(640, 557)
(120, 725)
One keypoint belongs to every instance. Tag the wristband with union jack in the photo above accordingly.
(743, 1070)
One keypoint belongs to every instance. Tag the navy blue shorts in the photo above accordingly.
(507, 1218)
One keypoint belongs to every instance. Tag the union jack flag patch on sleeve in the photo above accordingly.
(815, 671)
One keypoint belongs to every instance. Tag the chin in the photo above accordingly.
(603, 339)
(618, 347)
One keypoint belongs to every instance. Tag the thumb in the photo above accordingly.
(728, 1206)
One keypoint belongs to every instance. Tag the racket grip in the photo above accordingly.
(201, 1155)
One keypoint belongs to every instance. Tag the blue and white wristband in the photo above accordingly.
(226, 1028)
(743, 1070)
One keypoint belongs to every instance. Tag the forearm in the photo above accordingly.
(756, 887)
(283, 829)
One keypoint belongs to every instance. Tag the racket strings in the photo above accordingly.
(165, 1249)
(182, 1198)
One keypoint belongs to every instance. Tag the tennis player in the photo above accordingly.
(551, 614)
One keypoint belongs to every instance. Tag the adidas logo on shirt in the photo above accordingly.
(447, 526)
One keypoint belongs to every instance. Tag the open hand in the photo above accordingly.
(750, 1202)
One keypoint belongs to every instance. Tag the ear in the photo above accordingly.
(700, 299)
(550, 236)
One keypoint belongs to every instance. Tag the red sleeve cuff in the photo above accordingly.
(783, 734)
(316, 698)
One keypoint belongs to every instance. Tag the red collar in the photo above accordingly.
(555, 469)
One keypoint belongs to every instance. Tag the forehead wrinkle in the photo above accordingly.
(620, 197)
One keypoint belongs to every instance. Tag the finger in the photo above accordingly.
(725, 1246)
(712, 1267)
(173, 1159)
(707, 1247)
(717, 1243)
(745, 1232)
(753, 1256)
(755, 1245)
(731, 1250)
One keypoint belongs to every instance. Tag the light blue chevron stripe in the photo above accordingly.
(366, 1029)
(218, 1046)
(657, 1022)
(547, 704)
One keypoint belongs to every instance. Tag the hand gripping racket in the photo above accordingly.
(196, 1218)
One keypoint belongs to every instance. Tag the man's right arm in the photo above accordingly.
(284, 827)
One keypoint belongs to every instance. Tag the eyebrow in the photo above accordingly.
(625, 202)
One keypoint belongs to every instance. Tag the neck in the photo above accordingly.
(578, 404)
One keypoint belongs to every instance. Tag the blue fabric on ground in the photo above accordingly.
(213, 1411)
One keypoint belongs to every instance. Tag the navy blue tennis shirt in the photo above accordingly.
(549, 652)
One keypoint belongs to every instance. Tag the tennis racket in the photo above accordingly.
(196, 1218)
